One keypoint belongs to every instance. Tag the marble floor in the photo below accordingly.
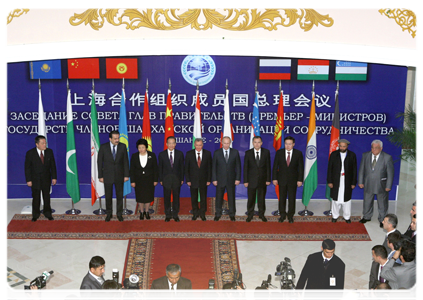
(69, 258)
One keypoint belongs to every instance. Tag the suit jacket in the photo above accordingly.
(334, 172)
(409, 233)
(151, 169)
(288, 175)
(403, 276)
(90, 283)
(113, 170)
(374, 276)
(385, 242)
(168, 175)
(198, 176)
(317, 277)
(257, 175)
(377, 180)
(162, 284)
(38, 173)
(226, 173)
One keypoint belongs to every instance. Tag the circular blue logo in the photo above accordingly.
(198, 67)
(311, 152)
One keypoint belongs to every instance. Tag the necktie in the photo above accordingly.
(172, 286)
(381, 279)
(325, 263)
(226, 156)
(374, 162)
(257, 159)
(199, 160)
(42, 157)
(171, 160)
(172, 293)
(288, 160)
(114, 151)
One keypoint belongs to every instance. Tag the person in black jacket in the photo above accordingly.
(323, 270)
(198, 169)
(144, 174)
(40, 174)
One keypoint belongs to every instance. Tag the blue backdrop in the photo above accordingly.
(368, 109)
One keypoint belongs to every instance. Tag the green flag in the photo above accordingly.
(72, 181)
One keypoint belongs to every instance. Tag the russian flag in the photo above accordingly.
(275, 69)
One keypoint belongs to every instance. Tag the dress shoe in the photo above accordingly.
(34, 219)
(291, 220)
(120, 218)
(263, 218)
(381, 225)
(108, 217)
(147, 215)
(363, 220)
(176, 219)
(142, 215)
(281, 219)
(232, 219)
(216, 218)
(249, 219)
(334, 220)
(348, 221)
(167, 219)
(194, 217)
(203, 218)
(50, 218)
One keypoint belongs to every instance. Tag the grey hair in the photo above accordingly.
(198, 140)
(173, 269)
(378, 142)
(227, 137)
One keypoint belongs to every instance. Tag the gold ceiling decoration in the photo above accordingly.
(233, 19)
(16, 14)
(405, 18)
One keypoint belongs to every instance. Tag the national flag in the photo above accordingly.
(83, 68)
(255, 122)
(313, 69)
(227, 125)
(279, 135)
(169, 130)
(45, 69)
(97, 187)
(41, 120)
(197, 121)
(123, 137)
(146, 128)
(72, 180)
(334, 136)
(275, 69)
(348, 70)
(122, 68)
(310, 166)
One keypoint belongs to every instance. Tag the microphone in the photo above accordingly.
(46, 275)
(269, 278)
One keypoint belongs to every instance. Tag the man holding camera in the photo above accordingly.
(94, 278)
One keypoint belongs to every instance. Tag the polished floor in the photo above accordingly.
(27, 259)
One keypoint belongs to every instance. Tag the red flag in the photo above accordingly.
(146, 128)
(122, 68)
(169, 119)
(279, 133)
(83, 68)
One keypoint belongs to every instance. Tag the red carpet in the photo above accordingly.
(94, 227)
(184, 206)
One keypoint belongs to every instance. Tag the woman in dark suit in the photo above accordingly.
(144, 174)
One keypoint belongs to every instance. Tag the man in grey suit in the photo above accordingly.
(94, 278)
(376, 175)
(226, 174)
(403, 276)
(380, 259)
(172, 280)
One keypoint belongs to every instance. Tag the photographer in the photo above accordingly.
(94, 278)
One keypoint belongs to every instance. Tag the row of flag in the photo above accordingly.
(311, 69)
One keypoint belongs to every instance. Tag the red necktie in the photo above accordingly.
(199, 160)
(171, 160)
(42, 157)
(381, 279)
(288, 160)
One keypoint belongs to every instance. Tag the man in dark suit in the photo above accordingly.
(113, 169)
(380, 258)
(288, 173)
(40, 174)
(342, 179)
(323, 270)
(257, 176)
(198, 169)
(412, 231)
(226, 174)
(172, 280)
(94, 278)
(171, 176)
(409, 231)
(389, 224)
(376, 175)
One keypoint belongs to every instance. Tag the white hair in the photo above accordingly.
(378, 142)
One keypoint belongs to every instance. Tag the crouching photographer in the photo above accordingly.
(39, 282)
(236, 283)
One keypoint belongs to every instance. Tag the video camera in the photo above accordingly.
(266, 283)
(287, 274)
(132, 283)
(40, 282)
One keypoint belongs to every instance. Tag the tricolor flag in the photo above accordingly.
(275, 69)
(97, 187)
(146, 128)
(227, 125)
(83, 68)
(72, 180)
(313, 69)
(255, 122)
(310, 166)
(334, 137)
(45, 69)
(169, 130)
(123, 137)
(348, 70)
(197, 121)
(117, 68)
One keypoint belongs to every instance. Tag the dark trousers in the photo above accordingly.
(258, 193)
(108, 192)
(220, 191)
(36, 201)
(171, 208)
(289, 190)
(199, 208)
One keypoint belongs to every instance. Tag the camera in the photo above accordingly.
(132, 283)
(211, 284)
(40, 282)
(284, 269)
(266, 283)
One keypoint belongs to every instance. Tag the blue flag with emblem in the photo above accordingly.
(45, 69)
(255, 122)
(123, 137)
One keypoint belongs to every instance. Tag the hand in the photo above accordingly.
(182, 182)
(330, 185)
(208, 182)
(237, 182)
(155, 183)
(299, 183)
(161, 182)
(29, 183)
(100, 179)
(275, 182)
(133, 184)
(246, 184)
(353, 187)
(387, 189)
(33, 287)
(397, 254)
(125, 179)
(189, 183)
(53, 181)
(215, 183)
(267, 182)
(361, 186)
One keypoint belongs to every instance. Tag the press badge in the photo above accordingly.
(332, 281)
